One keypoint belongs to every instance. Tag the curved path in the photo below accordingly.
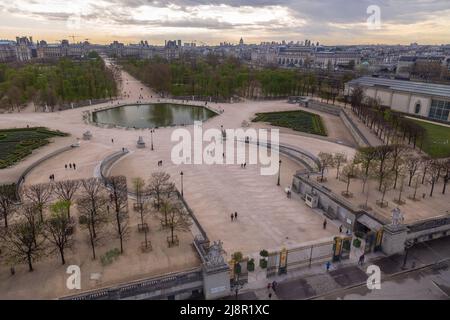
(267, 219)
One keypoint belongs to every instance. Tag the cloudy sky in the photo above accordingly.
(213, 21)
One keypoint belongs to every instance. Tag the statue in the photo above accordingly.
(140, 142)
(214, 256)
(397, 217)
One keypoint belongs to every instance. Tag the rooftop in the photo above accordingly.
(405, 86)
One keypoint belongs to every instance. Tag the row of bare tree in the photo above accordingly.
(393, 166)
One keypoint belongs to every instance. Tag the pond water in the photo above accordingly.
(153, 115)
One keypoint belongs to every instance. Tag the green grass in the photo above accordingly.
(437, 140)
(16, 144)
(297, 120)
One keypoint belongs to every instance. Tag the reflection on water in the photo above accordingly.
(152, 115)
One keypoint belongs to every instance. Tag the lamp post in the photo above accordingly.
(279, 170)
(181, 175)
(408, 245)
(151, 134)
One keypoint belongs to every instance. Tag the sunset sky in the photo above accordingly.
(212, 21)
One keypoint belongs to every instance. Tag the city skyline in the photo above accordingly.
(211, 22)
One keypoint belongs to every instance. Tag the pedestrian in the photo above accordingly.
(361, 260)
(269, 285)
(232, 217)
(74, 167)
(70, 165)
(270, 295)
(65, 166)
(274, 285)
(245, 164)
(324, 224)
(112, 140)
(340, 229)
(235, 216)
(328, 265)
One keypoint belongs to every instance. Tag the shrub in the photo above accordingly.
(110, 256)
(237, 256)
(263, 263)
(251, 265)
(264, 253)
(356, 243)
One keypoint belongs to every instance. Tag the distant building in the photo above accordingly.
(416, 98)
(7, 51)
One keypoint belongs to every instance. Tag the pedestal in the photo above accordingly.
(394, 238)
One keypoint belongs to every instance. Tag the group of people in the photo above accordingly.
(271, 286)
(233, 216)
(52, 177)
(244, 165)
(70, 166)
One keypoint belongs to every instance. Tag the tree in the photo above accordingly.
(65, 190)
(178, 219)
(326, 160)
(39, 195)
(338, 160)
(386, 185)
(59, 228)
(383, 154)
(91, 221)
(349, 172)
(447, 175)
(366, 157)
(92, 191)
(7, 201)
(24, 242)
(434, 171)
(160, 185)
(412, 165)
(119, 200)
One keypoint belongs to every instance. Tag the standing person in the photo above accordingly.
(232, 217)
(74, 167)
(270, 295)
(235, 216)
(70, 165)
(328, 265)
(324, 224)
(112, 140)
(340, 229)
(361, 260)
(65, 166)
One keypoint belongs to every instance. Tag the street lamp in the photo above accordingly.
(408, 245)
(279, 170)
(181, 174)
(151, 133)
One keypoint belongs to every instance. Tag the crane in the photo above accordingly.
(73, 37)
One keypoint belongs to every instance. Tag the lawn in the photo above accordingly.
(16, 144)
(437, 140)
(297, 120)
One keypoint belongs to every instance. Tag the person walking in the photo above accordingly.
(328, 265)
(65, 166)
(269, 285)
(74, 167)
(340, 229)
(235, 216)
(324, 224)
(270, 295)
(274, 285)
(112, 140)
(70, 165)
(232, 217)
(361, 260)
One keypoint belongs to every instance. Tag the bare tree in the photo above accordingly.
(387, 184)
(326, 160)
(39, 195)
(92, 191)
(349, 172)
(434, 171)
(119, 200)
(159, 186)
(65, 190)
(383, 155)
(59, 228)
(7, 201)
(90, 221)
(338, 160)
(412, 165)
(447, 175)
(178, 219)
(366, 158)
(24, 241)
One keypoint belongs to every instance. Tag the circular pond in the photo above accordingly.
(152, 115)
